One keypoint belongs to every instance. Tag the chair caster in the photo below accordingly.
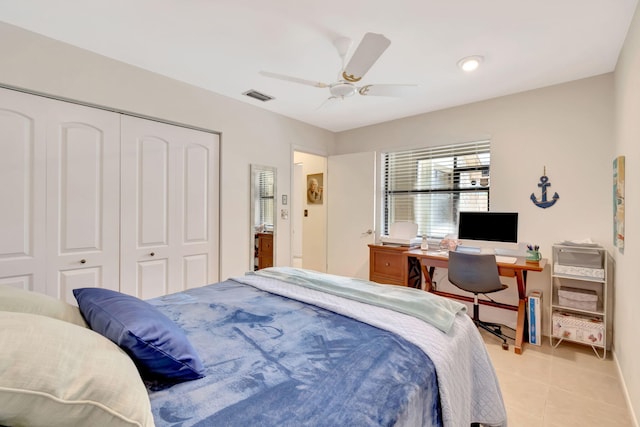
(505, 346)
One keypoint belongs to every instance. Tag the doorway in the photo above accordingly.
(309, 215)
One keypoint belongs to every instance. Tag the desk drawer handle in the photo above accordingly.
(386, 264)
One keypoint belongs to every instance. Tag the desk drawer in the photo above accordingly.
(506, 271)
(386, 266)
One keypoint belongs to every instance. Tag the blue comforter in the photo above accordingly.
(274, 361)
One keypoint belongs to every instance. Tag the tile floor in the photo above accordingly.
(559, 387)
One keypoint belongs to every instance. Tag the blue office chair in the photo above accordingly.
(477, 274)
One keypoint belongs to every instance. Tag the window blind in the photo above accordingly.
(429, 186)
(265, 197)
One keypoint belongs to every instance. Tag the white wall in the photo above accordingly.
(627, 143)
(249, 134)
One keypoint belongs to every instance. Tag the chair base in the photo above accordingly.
(494, 329)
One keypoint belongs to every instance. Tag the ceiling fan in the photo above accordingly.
(366, 54)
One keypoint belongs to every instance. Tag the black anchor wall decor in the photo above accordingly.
(544, 202)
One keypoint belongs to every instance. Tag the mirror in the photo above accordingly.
(263, 216)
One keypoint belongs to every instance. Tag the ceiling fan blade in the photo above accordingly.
(329, 102)
(294, 79)
(366, 54)
(387, 90)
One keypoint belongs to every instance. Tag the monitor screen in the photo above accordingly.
(490, 226)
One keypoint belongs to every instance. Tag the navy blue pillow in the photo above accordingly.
(157, 345)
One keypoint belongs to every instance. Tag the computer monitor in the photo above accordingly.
(488, 226)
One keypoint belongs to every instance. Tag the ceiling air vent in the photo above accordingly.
(257, 95)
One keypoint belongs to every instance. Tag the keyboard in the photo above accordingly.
(506, 259)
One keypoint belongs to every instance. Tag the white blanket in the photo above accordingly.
(469, 389)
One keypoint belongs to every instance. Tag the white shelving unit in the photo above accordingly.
(580, 297)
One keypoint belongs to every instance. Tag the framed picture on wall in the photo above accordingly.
(315, 191)
(618, 202)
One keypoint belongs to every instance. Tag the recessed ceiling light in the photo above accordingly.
(470, 63)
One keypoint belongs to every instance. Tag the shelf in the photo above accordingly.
(556, 305)
(599, 312)
(579, 325)
(581, 278)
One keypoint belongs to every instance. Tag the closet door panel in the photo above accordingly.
(83, 167)
(22, 174)
(195, 270)
(170, 209)
(80, 188)
(21, 282)
(194, 217)
(152, 278)
(71, 279)
(196, 209)
(16, 164)
(194, 222)
(147, 200)
(153, 192)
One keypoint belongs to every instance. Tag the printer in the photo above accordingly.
(402, 233)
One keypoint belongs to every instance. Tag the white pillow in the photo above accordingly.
(19, 300)
(54, 373)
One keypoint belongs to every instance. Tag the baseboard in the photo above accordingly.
(634, 419)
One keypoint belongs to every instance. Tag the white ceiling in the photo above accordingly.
(221, 45)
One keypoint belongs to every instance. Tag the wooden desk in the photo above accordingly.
(429, 260)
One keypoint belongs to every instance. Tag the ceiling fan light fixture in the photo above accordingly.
(343, 89)
(470, 63)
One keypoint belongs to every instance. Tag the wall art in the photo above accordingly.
(618, 202)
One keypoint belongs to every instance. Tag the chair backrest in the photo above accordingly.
(474, 272)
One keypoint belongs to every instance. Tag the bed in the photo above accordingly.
(278, 347)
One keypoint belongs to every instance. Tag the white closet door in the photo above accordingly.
(22, 191)
(83, 191)
(169, 220)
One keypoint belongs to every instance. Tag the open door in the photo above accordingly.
(351, 213)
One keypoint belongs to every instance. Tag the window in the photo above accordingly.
(429, 186)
